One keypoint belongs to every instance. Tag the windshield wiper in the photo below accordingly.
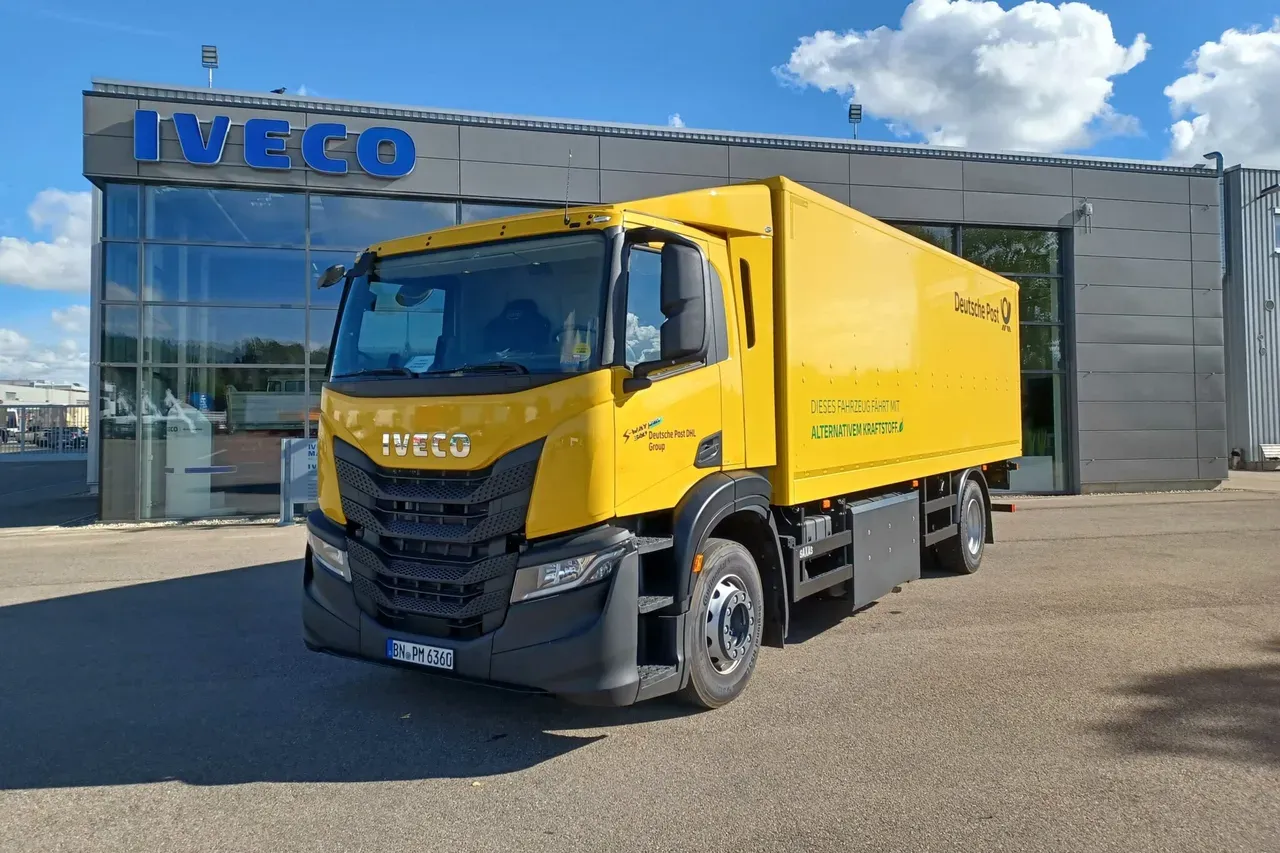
(485, 367)
(378, 371)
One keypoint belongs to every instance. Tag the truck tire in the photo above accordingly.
(962, 554)
(723, 626)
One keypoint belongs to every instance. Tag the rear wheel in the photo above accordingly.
(962, 554)
(724, 625)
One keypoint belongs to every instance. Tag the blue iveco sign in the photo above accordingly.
(383, 152)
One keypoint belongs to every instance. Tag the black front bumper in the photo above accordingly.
(580, 644)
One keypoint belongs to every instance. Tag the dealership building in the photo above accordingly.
(214, 212)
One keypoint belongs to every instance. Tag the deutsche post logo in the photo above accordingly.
(1006, 313)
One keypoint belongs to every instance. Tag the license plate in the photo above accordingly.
(421, 655)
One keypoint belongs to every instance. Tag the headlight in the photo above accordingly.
(331, 557)
(562, 575)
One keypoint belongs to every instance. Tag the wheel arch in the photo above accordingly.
(733, 505)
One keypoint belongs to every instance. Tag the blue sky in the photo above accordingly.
(621, 62)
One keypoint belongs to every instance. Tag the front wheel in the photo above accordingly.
(962, 553)
(724, 625)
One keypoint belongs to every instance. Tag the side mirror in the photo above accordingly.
(684, 333)
(332, 276)
(683, 336)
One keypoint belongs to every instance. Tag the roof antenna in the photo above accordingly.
(568, 170)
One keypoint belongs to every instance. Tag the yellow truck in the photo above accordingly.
(602, 452)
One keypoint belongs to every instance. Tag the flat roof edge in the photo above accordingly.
(228, 97)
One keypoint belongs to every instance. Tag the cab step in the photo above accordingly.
(650, 603)
(649, 544)
(657, 680)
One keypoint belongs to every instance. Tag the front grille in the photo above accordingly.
(434, 552)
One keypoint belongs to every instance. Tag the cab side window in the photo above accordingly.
(644, 305)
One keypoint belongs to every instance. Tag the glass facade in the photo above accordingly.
(215, 339)
(1033, 259)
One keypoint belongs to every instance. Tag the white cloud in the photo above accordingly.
(304, 92)
(1037, 77)
(1230, 91)
(73, 319)
(674, 120)
(61, 263)
(12, 343)
(644, 342)
(65, 361)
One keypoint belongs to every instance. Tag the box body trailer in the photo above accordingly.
(608, 449)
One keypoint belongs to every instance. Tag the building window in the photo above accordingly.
(215, 337)
(120, 212)
(478, 212)
(1032, 258)
(357, 223)
(226, 274)
(1276, 220)
(236, 217)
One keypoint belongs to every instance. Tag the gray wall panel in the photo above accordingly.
(823, 167)
(1148, 301)
(528, 147)
(1204, 247)
(1141, 215)
(1211, 416)
(903, 203)
(1129, 243)
(1214, 469)
(536, 183)
(1137, 416)
(624, 186)
(1008, 209)
(1210, 360)
(1136, 387)
(1211, 387)
(1205, 191)
(1207, 303)
(1206, 274)
(1017, 178)
(878, 170)
(109, 116)
(429, 177)
(1139, 471)
(109, 156)
(667, 158)
(1133, 272)
(1135, 358)
(238, 115)
(222, 175)
(1130, 186)
(1138, 444)
(836, 192)
(1208, 331)
(429, 139)
(1211, 442)
(1206, 220)
(1131, 329)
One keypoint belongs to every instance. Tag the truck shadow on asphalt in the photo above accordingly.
(1217, 713)
(204, 679)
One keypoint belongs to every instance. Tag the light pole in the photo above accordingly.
(855, 117)
(209, 59)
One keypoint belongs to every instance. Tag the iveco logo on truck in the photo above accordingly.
(427, 444)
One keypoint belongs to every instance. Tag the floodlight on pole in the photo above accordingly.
(855, 117)
(209, 59)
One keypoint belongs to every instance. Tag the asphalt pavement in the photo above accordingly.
(1109, 681)
(43, 492)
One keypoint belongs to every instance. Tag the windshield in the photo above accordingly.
(523, 306)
